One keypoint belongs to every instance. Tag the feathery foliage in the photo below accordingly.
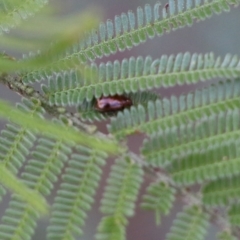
(31, 197)
(221, 192)
(226, 236)
(131, 29)
(234, 214)
(190, 224)
(159, 198)
(16, 141)
(15, 145)
(194, 141)
(137, 74)
(75, 195)
(39, 174)
(190, 142)
(215, 161)
(119, 198)
(176, 111)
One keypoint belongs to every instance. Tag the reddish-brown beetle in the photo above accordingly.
(112, 103)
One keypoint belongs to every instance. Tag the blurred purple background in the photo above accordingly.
(219, 34)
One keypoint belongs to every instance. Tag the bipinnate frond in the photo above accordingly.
(48, 128)
(221, 192)
(14, 11)
(197, 152)
(87, 110)
(15, 185)
(200, 151)
(15, 145)
(190, 139)
(119, 199)
(138, 74)
(226, 235)
(130, 29)
(16, 142)
(234, 214)
(159, 198)
(39, 174)
(19, 220)
(175, 111)
(75, 195)
(191, 223)
(213, 160)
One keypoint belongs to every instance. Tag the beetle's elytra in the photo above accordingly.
(112, 103)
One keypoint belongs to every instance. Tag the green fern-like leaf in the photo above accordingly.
(15, 142)
(138, 74)
(14, 11)
(124, 33)
(76, 194)
(11, 182)
(131, 29)
(212, 139)
(119, 199)
(234, 214)
(221, 192)
(226, 235)
(190, 139)
(109, 228)
(39, 174)
(176, 111)
(190, 224)
(159, 198)
(15, 145)
(215, 162)
(19, 220)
